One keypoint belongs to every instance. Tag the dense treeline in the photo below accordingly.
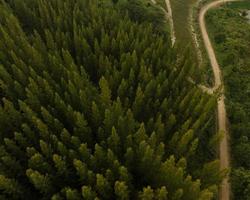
(96, 105)
(145, 11)
(230, 31)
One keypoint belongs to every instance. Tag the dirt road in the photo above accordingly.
(218, 82)
(170, 17)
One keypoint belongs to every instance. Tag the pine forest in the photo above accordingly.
(96, 104)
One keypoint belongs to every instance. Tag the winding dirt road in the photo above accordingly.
(218, 82)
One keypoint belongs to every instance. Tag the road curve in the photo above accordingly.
(218, 82)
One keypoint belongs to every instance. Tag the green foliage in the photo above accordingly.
(145, 11)
(94, 105)
(230, 31)
(241, 180)
(240, 5)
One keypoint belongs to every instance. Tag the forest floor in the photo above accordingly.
(218, 82)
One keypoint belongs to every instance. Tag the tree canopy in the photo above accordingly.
(97, 105)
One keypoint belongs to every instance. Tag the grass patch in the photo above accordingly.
(240, 5)
(181, 13)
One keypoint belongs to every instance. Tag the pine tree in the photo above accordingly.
(121, 191)
(41, 182)
(147, 194)
(88, 193)
(11, 187)
(103, 187)
(105, 92)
